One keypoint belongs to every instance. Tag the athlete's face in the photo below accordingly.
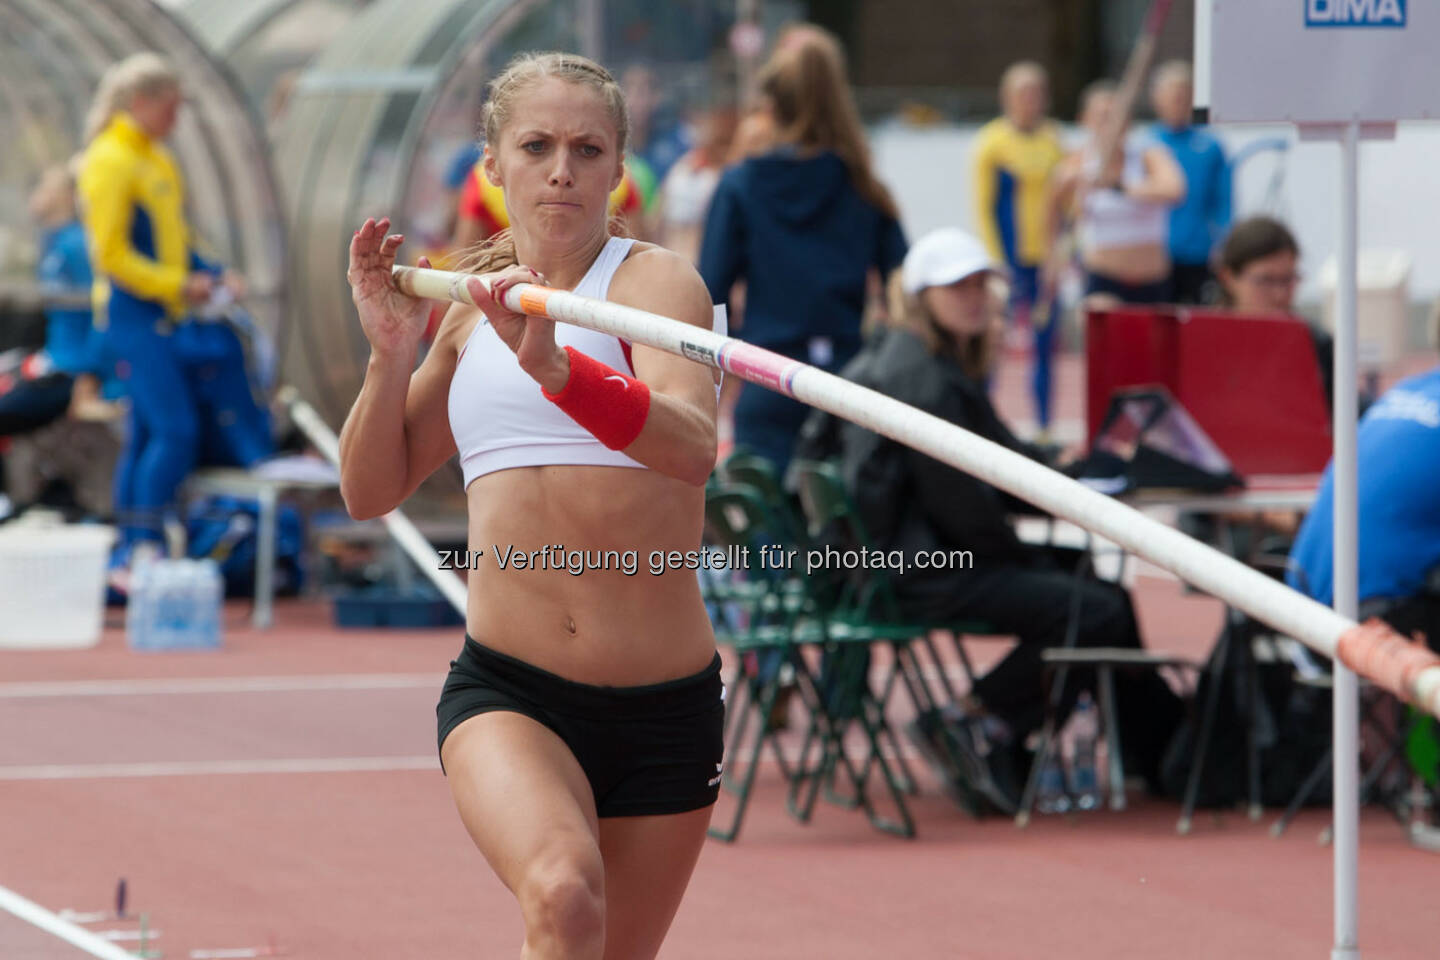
(1025, 101)
(1172, 99)
(1266, 285)
(557, 159)
(959, 307)
(1096, 112)
(157, 112)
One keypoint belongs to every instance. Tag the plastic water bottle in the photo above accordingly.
(1050, 794)
(1085, 736)
(140, 606)
(168, 615)
(175, 605)
(180, 597)
(209, 598)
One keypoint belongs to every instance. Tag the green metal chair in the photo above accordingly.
(759, 473)
(758, 612)
(863, 611)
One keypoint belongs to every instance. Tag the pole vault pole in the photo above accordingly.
(1408, 669)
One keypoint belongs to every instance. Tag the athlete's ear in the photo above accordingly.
(492, 168)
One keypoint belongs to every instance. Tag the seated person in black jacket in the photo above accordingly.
(945, 321)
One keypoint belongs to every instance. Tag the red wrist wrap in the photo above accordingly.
(609, 404)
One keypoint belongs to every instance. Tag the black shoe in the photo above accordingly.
(983, 764)
(923, 734)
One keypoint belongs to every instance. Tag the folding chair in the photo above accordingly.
(1393, 736)
(1372, 699)
(1242, 638)
(757, 472)
(1104, 661)
(859, 612)
(773, 617)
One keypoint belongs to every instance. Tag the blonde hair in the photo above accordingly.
(522, 73)
(809, 93)
(1020, 72)
(141, 74)
(976, 354)
(1172, 71)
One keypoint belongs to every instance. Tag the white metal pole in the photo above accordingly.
(1346, 731)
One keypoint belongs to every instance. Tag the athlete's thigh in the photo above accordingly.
(648, 862)
(521, 795)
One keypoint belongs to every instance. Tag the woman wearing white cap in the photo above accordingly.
(945, 316)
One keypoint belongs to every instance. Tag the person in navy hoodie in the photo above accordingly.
(804, 225)
(1198, 222)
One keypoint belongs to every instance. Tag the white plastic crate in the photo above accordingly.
(52, 584)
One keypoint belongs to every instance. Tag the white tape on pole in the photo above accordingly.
(1242, 587)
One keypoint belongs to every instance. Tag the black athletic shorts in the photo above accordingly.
(646, 750)
(1156, 292)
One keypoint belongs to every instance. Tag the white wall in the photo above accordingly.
(929, 171)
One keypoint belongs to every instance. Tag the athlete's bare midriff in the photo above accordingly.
(597, 626)
(1146, 263)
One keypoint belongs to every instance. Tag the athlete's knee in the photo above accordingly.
(563, 900)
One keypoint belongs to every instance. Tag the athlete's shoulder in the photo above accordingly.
(109, 154)
(654, 277)
(654, 262)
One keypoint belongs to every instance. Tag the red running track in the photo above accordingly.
(369, 860)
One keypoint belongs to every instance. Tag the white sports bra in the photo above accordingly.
(1111, 219)
(498, 415)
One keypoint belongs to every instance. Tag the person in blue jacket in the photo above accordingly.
(72, 343)
(63, 377)
(1398, 512)
(804, 225)
(1201, 220)
(148, 275)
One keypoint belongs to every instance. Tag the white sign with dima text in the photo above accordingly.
(1324, 61)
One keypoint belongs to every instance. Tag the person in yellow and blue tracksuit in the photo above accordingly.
(1016, 155)
(132, 206)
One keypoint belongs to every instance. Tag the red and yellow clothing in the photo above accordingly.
(483, 201)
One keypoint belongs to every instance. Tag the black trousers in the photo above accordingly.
(1032, 599)
(1418, 614)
